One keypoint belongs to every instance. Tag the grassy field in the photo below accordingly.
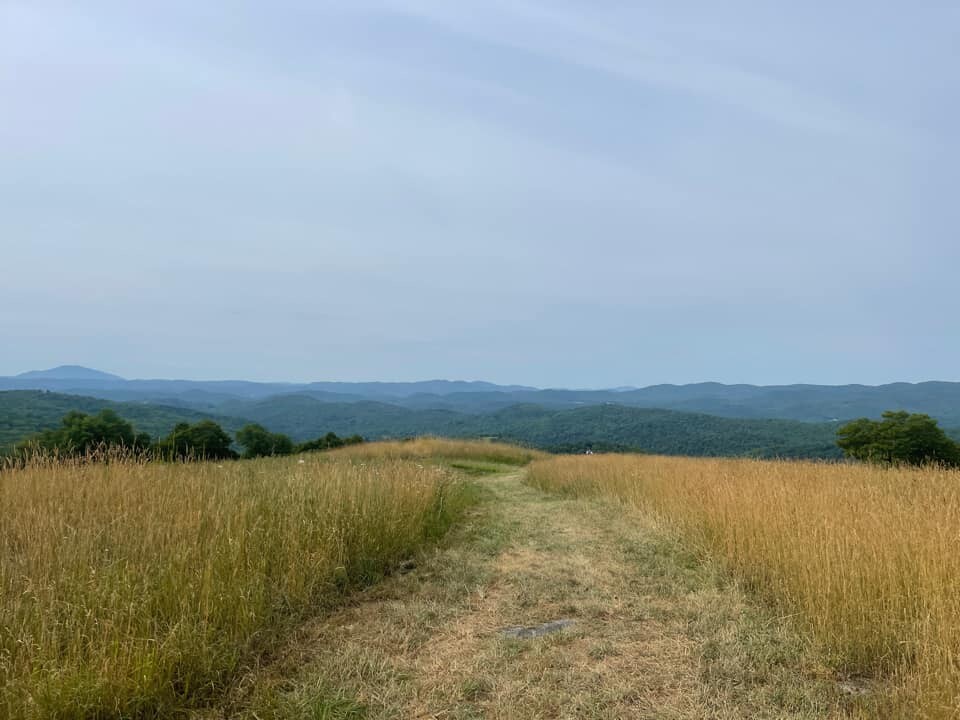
(138, 589)
(655, 634)
(444, 449)
(146, 590)
(864, 560)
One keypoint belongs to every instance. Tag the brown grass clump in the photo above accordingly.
(442, 448)
(866, 559)
(137, 589)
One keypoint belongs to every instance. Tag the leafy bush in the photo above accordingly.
(330, 441)
(202, 440)
(257, 441)
(81, 434)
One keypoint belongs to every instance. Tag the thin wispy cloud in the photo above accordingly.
(406, 189)
(642, 47)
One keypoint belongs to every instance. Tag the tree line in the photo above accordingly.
(899, 438)
(81, 434)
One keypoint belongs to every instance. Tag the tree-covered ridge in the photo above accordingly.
(602, 427)
(665, 432)
(106, 433)
(307, 421)
(257, 441)
(28, 412)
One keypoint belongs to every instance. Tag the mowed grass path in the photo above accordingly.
(657, 633)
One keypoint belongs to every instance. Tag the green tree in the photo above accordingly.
(329, 441)
(80, 433)
(204, 440)
(257, 441)
(900, 437)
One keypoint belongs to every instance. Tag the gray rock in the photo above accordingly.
(524, 633)
(854, 686)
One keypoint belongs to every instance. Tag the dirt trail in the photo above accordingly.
(656, 634)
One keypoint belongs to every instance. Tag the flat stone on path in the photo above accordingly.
(524, 633)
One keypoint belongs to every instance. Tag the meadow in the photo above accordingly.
(863, 560)
(138, 589)
(443, 449)
(144, 589)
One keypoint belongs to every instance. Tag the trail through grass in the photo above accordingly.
(657, 633)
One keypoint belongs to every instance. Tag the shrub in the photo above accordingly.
(257, 441)
(900, 438)
(202, 440)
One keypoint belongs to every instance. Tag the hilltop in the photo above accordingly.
(69, 372)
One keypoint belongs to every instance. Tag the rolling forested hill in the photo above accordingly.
(666, 432)
(558, 420)
(26, 412)
(603, 427)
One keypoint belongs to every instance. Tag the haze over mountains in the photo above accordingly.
(807, 403)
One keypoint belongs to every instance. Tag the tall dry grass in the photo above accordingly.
(444, 449)
(135, 589)
(866, 559)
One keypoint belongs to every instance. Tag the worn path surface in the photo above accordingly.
(656, 634)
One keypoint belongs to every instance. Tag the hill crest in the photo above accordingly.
(68, 372)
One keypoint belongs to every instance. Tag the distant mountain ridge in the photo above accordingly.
(69, 372)
(75, 377)
(803, 402)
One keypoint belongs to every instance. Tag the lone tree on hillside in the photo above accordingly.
(257, 441)
(204, 440)
(901, 437)
(330, 441)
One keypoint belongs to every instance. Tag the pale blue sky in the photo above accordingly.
(551, 193)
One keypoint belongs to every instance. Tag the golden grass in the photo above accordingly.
(136, 589)
(656, 635)
(866, 559)
(432, 447)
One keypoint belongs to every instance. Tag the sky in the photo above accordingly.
(560, 194)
